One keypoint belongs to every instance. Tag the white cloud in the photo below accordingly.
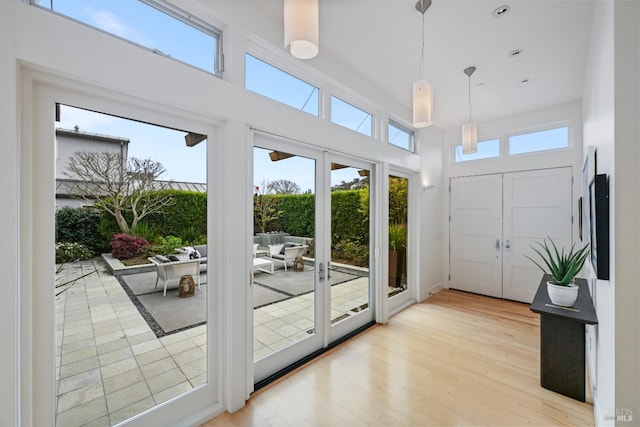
(111, 23)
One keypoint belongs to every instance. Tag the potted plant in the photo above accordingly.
(561, 269)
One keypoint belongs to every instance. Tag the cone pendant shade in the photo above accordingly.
(422, 104)
(301, 28)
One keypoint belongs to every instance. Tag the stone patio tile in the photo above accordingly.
(280, 344)
(137, 330)
(78, 345)
(180, 346)
(146, 346)
(113, 336)
(78, 397)
(287, 331)
(200, 340)
(126, 396)
(158, 367)
(75, 356)
(269, 338)
(137, 339)
(112, 346)
(100, 422)
(199, 380)
(83, 414)
(131, 410)
(81, 380)
(195, 368)
(114, 356)
(274, 324)
(257, 354)
(189, 356)
(68, 339)
(151, 356)
(166, 380)
(107, 329)
(118, 367)
(173, 338)
(122, 380)
(194, 332)
(172, 392)
(78, 367)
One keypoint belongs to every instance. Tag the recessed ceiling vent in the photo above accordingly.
(501, 11)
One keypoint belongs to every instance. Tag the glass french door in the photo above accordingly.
(311, 253)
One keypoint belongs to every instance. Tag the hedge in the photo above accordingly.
(81, 225)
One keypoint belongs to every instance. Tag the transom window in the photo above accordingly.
(158, 26)
(486, 150)
(550, 139)
(401, 136)
(351, 117)
(280, 86)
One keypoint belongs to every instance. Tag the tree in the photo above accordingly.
(283, 186)
(120, 188)
(265, 207)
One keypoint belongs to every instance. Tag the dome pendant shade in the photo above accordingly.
(422, 104)
(469, 138)
(301, 28)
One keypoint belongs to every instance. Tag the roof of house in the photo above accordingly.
(76, 133)
(64, 187)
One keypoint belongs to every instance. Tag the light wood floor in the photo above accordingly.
(456, 359)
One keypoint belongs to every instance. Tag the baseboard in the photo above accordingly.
(426, 293)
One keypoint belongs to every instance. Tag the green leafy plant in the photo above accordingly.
(166, 245)
(397, 237)
(71, 252)
(561, 267)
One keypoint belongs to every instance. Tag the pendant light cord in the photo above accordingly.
(421, 69)
(469, 98)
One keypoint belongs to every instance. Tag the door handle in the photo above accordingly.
(497, 244)
(507, 245)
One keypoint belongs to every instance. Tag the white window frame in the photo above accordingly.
(411, 132)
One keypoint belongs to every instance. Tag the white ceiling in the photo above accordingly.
(380, 40)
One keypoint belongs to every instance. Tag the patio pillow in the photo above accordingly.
(162, 258)
(173, 258)
(287, 245)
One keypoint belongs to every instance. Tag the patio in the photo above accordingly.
(111, 364)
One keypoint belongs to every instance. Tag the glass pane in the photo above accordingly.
(144, 25)
(349, 241)
(283, 250)
(350, 117)
(398, 231)
(486, 150)
(274, 83)
(400, 137)
(551, 139)
(125, 340)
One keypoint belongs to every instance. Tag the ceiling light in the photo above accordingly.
(501, 11)
(469, 129)
(301, 28)
(422, 91)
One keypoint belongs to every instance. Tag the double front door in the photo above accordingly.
(494, 221)
(320, 202)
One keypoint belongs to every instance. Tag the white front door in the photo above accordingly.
(476, 234)
(537, 204)
(494, 221)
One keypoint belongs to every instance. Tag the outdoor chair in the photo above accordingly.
(171, 272)
(287, 252)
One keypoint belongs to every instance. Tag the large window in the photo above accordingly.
(401, 136)
(486, 150)
(158, 26)
(550, 139)
(347, 115)
(274, 83)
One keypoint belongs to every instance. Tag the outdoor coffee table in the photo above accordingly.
(263, 264)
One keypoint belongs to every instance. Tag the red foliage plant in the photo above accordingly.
(125, 246)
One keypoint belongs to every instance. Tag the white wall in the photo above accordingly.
(58, 52)
(611, 125)
(9, 219)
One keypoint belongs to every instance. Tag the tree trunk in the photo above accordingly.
(122, 222)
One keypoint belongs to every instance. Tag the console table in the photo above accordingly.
(562, 340)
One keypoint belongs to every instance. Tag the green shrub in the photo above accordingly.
(81, 225)
(166, 245)
(71, 252)
(397, 237)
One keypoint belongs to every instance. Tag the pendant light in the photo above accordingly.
(301, 28)
(422, 92)
(469, 129)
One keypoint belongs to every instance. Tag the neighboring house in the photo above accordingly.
(69, 142)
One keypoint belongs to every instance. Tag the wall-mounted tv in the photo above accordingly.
(599, 220)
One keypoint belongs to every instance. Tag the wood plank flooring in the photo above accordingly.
(456, 359)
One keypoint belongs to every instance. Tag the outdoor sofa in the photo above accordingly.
(287, 252)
